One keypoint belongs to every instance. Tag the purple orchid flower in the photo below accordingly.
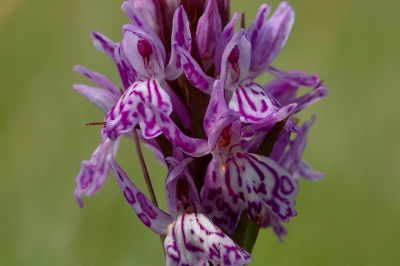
(245, 96)
(291, 161)
(191, 238)
(235, 179)
(94, 172)
(213, 127)
(242, 94)
(142, 54)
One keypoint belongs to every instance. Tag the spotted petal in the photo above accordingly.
(126, 72)
(292, 161)
(138, 21)
(261, 181)
(194, 240)
(103, 44)
(208, 32)
(94, 172)
(148, 213)
(181, 37)
(142, 52)
(223, 40)
(131, 110)
(148, 11)
(253, 103)
(223, 211)
(180, 190)
(247, 97)
(248, 132)
(251, 181)
(193, 71)
(191, 146)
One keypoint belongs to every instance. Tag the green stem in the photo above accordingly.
(146, 176)
(246, 233)
(144, 168)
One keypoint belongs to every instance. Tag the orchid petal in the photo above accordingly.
(222, 211)
(180, 190)
(292, 161)
(223, 40)
(269, 219)
(268, 40)
(182, 37)
(180, 109)
(216, 107)
(194, 240)
(208, 31)
(94, 172)
(305, 170)
(191, 146)
(137, 20)
(193, 71)
(103, 99)
(310, 98)
(248, 132)
(148, 213)
(131, 110)
(126, 72)
(253, 103)
(294, 77)
(103, 44)
(258, 21)
(224, 121)
(98, 79)
(153, 64)
(148, 11)
(235, 70)
(260, 181)
(285, 87)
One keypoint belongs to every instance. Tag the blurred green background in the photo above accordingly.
(352, 217)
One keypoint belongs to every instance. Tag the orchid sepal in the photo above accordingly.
(148, 213)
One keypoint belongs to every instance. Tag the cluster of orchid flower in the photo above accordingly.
(188, 93)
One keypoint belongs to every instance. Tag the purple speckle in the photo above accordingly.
(286, 185)
(248, 189)
(145, 206)
(120, 176)
(144, 49)
(144, 219)
(128, 194)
